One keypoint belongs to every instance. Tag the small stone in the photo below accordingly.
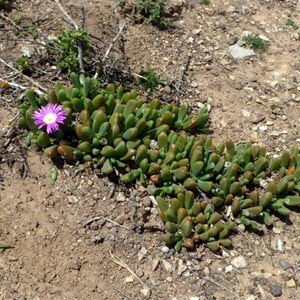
(186, 274)
(239, 262)
(246, 113)
(72, 199)
(206, 271)
(155, 263)
(262, 128)
(120, 197)
(27, 51)
(190, 40)
(277, 245)
(165, 249)
(181, 267)
(145, 292)
(142, 253)
(284, 264)
(296, 36)
(167, 265)
(194, 84)
(222, 25)
(238, 86)
(233, 40)
(207, 58)
(238, 52)
(169, 279)
(196, 31)
(228, 269)
(146, 201)
(129, 279)
(275, 133)
(291, 283)
(277, 230)
(167, 89)
(276, 290)
(194, 298)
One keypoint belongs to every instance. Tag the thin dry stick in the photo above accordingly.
(122, 293)
(123, 265)
(79, 43)
(70, 20)
(106, 219)
(121, 27)
(77, 28)
(221, 286)
(10, 21)
(183, 69)
(34, 42)
(40, 91)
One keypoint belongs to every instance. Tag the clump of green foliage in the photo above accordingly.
(255, 42)
(151, 80)
(65, 49)
(153, 12)
(292, 24)
(121, 3)
(28, 30)
(202, 190)
(24, 63)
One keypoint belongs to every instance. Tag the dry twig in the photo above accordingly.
(221, 286)
(125, 266)
(70, 20)
(122, 293)
(10, 21)
(42, 89)
(77, 28)
(106, 219)
(183, 69)
(79, 43)
(121, 27)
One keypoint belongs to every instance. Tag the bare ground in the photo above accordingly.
(57, 253)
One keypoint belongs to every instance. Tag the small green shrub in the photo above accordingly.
(24, 63)
(153, 12)
(66, 53)
(255, 42)
(151, 81)
(28, 30)
(120, 3)
(292, 24)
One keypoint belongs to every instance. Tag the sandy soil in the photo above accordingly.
(59, 250)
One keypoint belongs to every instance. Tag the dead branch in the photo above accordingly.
(125, 266)
(77, 28)
(220, 286)
(79, 43)
(106, 219)
(121, 27)
(10, 21)
(69, 19)
(42, 89)
(183, 69)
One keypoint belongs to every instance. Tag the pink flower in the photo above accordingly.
(51, 116)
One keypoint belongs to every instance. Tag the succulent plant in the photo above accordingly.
(202, 190)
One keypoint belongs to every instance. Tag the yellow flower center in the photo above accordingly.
(49, 118)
